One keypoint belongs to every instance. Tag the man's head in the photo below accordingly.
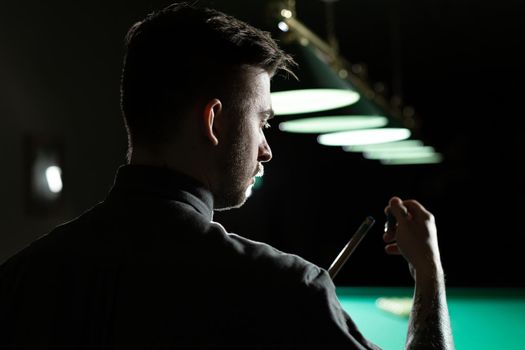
(197, 79)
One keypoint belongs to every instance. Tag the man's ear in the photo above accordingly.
(211, 117)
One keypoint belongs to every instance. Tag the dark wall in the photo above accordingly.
(456, 62)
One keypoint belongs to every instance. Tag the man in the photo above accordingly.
(148, 268)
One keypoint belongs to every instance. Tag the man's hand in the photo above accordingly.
(414, 236)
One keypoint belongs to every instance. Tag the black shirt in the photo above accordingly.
(149, 269)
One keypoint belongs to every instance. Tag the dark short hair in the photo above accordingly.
(181, 55)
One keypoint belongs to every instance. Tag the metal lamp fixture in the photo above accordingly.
(399, 152)
(392, 130)
(331, 101)
(319, 88)
(361, 115)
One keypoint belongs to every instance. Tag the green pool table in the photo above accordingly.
(480, 318)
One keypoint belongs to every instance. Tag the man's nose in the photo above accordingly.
(265, 152)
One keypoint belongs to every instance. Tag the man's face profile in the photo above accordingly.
(245, 146)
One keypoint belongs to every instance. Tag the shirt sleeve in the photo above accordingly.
(332, 322)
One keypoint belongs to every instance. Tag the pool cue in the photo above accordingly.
(350, 246)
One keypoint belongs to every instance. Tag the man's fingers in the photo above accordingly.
(392, 249)
(398, 209)
(416, 209)
(389, 236)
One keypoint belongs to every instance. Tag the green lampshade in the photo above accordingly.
(363, 114)
(400, 153)
(319, 88)
(311, 100)
(433, 158)
(334, 123)
(396, 145)
(363, 137)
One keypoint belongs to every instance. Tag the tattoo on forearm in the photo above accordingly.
(429, 325)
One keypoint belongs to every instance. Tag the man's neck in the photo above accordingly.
(183, 163)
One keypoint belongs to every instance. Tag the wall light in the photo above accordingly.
(44, 174)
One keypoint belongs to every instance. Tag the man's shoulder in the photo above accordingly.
(268, 260)
(49, 243)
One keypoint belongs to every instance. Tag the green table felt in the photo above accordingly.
(481, 318)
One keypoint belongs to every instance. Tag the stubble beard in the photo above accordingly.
(238, 171)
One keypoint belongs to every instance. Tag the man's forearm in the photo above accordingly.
(429, 324)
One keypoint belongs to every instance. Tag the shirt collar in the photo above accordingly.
(163, 182)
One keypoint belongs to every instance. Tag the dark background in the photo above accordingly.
(457, 63)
